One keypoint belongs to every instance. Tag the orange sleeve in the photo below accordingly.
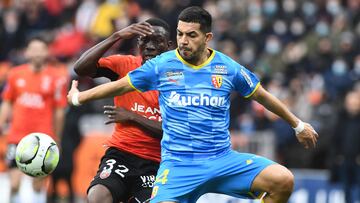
(9, 92)
(61, 87)
(119, 64)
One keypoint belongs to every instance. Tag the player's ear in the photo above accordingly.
(208, 37)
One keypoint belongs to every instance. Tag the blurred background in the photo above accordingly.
(306, 52)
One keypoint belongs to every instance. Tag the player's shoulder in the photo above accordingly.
(19, 69)
(118, 58)
(219, 56)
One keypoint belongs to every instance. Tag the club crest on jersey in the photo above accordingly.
(105, 173)
(216, 80)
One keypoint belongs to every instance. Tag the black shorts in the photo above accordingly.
(128, 177)
(10, 156)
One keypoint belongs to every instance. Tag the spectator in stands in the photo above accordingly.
(346, 142)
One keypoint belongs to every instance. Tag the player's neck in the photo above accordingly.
(202, 57)
(36, 67)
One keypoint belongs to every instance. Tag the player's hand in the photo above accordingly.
(308, 137)
(117, 114)
(72, 91)
(137, 29)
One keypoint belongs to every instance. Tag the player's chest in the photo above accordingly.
(206, 79)
(41, 84)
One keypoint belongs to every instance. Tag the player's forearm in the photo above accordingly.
(86, 65)
(107, 90)
(274, 105)
(154, 127)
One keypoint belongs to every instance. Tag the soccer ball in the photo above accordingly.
(37, 155)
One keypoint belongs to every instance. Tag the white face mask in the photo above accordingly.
(255, 24)
(333, 7)
(297, 27)
(289, 6)
(247, 56)
(357, 66)
(279, 27)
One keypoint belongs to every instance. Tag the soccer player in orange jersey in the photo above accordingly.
(127, 170)
(34, 99)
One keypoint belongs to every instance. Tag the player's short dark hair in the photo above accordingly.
(161, 23)
(196, 14)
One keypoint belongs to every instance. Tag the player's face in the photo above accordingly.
(153, 45)
(191, 40)
(37, 52)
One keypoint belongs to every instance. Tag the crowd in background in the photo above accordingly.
(306, 52)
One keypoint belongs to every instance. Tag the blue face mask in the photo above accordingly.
(333, 7)
(272, 46)
(270, 7)
(322, 29)
(339, 67)
(309, 8)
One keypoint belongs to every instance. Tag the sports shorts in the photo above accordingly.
(129, 178)
(231, 173)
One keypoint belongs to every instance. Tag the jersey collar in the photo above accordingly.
(195, 66)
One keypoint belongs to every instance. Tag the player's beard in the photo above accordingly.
(195, 56)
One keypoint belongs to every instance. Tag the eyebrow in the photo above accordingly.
(191, 32)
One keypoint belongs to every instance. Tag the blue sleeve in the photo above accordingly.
(245, 81)
(145, 77)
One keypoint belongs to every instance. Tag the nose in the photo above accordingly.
(183, 40)
(150, 46)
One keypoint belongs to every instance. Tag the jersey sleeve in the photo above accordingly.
(113, 67)
(9, 92)
(146, 77)
(61, 86)
(245, 81)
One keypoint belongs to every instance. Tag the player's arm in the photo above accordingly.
(107, 90)
(305, 132)
(119, 115)
(86, 65)
(5, 111)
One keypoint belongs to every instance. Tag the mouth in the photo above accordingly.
(185, 52)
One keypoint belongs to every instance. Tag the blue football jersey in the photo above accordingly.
(194, 101)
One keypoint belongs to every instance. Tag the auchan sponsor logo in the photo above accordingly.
(201, 100)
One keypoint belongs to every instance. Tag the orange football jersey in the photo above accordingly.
(127, 136)
(34, 97)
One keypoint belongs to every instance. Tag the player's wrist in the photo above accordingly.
(75, 99)
(300, 127)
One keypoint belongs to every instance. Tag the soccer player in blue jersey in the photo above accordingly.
(195, 83)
